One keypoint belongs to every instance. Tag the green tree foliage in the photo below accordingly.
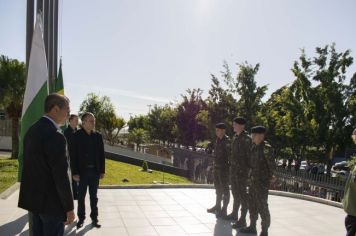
(221, 107)
(161, 123)
(138, 122)
(326, 102)
(12, 89)
(137, 136)
(244, 86)
(189, 129)
(106, 119)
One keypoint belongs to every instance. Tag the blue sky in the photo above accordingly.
(141, 52)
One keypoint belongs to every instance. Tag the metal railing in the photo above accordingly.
(200, 167)
(302, 182)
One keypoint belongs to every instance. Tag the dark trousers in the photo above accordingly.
(258, 196)
(47, 225)
(350, 224)
(89, 179)
(75, 189)
(221, 184)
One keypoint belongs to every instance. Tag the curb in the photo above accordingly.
(157, 186)
(306, 198)
(7, 193)
(210, 186)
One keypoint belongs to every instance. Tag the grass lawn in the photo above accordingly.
(8, 173)
(116, 171)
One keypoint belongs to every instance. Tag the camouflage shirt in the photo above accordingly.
(222, 152)
(240, 152)
(262, 163)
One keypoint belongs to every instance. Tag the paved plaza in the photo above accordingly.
(173, 212)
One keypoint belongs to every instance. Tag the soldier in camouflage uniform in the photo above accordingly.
(262, 167)
(221, 171)
(240, 156)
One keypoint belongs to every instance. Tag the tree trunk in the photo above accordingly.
(15, 137)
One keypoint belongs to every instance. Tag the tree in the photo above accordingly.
(328, 99)
(161, 123)
(245, 87)
(189, 130)
(137, 122)
(137, 136)
(221, 106)
(12, 89)
(106, 119)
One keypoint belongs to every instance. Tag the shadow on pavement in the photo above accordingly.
(14, 227)
(84, 230)
(222, 227)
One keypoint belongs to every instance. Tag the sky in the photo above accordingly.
(146, 52)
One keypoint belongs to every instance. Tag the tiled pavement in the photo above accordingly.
(182, 212)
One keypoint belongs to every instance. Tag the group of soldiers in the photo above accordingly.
(247, 163)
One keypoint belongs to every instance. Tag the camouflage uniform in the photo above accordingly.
(221, 172)
(263, 165)
(240, 157)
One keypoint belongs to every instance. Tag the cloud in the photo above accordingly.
(119, 92)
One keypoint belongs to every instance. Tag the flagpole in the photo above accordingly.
(50, 46)
(29, 28)
(55, 40)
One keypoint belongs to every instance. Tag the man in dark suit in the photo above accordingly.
(88, 166)
(69, 134)
(45, 189)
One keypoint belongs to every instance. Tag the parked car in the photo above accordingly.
(340, 169)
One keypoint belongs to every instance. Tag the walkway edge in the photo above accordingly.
(307, 198)
(210, 186)
(7, 193)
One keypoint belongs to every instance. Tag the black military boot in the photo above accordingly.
(217, 208)
(222, 214)
(212, 210)
(239, 224)
(232, 216)
(249, 230)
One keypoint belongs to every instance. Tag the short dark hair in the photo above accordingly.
(55, 99)
(86, 114)
(72, 116)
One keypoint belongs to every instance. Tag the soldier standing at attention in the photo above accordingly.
(221, 171)
(349, 199)
(240, 157)
(262, 167)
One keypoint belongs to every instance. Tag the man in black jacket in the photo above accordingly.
(69, 134)
(88, 166)
(45, 189)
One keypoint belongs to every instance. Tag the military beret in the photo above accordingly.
(240, 120)
(220, 126)
(258, 130)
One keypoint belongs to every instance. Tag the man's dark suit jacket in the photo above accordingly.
(45, 186)
(79, 155)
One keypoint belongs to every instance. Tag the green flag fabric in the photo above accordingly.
(36, 86)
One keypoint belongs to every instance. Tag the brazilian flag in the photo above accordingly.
(59, 88)
(58, 85)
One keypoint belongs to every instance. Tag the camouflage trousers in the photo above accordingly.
(221, 184)
(239, 192)
(258, 205)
